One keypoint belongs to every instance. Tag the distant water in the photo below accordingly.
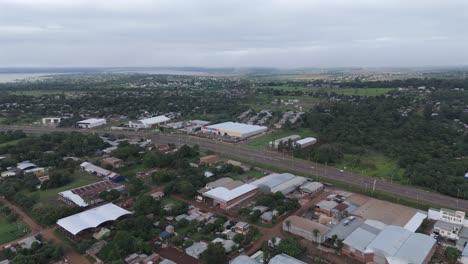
(13, 77)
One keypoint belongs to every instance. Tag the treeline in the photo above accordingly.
(6, 136)
(430, 148)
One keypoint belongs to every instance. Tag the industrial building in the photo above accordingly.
(233, 129)
(91, 123)
(372, 241)
(51, 121)
(148, 122)
(225, 198)
(304, 228)
(311, 187)
(285, 140)
(101, 172)
(279, 182)
(90, 219)
(305, 142)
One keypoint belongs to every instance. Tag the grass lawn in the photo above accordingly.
(167, 201)
(80, 179)
(373, 164)
(11, 143)
(11, 231)
(247, 174)
(262, 142)
(131, 170)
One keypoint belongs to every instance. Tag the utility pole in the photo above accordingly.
(373, 187)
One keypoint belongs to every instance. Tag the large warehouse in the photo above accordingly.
(279, 182)
(226, 198)
(148, 122)
(234, 129)
(92, 122)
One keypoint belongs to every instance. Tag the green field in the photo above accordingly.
(11, 231)
(342, 91)
(246, 175)
(80, 179)
(373, 164)
(263, 142)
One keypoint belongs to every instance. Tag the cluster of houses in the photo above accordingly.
(24, 168)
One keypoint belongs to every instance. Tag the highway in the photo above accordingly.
(278, 160)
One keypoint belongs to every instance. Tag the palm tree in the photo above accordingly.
(316, 233)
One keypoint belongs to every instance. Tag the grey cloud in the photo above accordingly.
(211, 33)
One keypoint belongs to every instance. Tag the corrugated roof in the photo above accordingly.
(91, 218)
(237, 127)
(311, 186)
(75, 198)
(154, 120)
(415, 222)
(92, 121)
(225, 195)
(416, 248)
(285, 259)
(243, 259)
(306, 140)
(389, 240)
(25, 164)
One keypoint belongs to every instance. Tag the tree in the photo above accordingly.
(452, 255)
(316, 233)
(215, 253)
(288, 224)
(290, 246)
(238, 238)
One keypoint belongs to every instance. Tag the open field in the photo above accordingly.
(248, 174)
(374, 165)
(342, 91)
(262, 142)
(11, 231)
(80, 179)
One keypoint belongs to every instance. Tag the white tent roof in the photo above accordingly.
(237, 127)
(226, 195)
(91, 218)
(91, 121)
(75, 198)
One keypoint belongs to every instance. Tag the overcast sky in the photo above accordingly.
(240, 33)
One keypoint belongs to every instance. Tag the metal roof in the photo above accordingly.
(390, 240)
(243, 259)
(342, 230)
(92, 121)
(154, 120)
(75, 198)
(415, 222)
(91, 218)
(285, 259)
(361, 237)
(25, 164)
(274, 179)
(311, 186)
(225, 195)
(306, 140)
(237, 127)
(416, 248)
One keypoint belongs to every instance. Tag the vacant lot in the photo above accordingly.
(373, 164)
(80, 179)
(11, 231)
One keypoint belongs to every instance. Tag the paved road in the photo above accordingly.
(278, 160)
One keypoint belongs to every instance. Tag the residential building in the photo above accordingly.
(285, 259)
(196, 249)
(209, 160)
(241, 228)
(113, 162)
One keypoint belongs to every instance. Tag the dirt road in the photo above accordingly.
(72, 256)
